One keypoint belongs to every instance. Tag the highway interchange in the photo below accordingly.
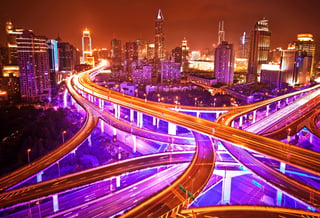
(203, 160)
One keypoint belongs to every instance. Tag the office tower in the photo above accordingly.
(130, 55)
(221, 32)
(259, 50)
(223, 63)
(142, 73)
(86, 45)
(185, 54)
(53, 61)
(68, 58)
(12, 34)
(306, 43)
(159, 37)
(275, 56)
(142, 49)
(116, 52)
(150, 51)
(177, 54)
(244, 47)
(170, 71)
(295, 67)
(33, 61)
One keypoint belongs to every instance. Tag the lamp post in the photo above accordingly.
(62, 134)
(28, 151)
(195, 101)
(288, 136)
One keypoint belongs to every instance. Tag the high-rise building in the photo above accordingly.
(86, 45)
(12, 34)
(142, 73)
(170, 71)
(244, 47)
(33, 62)
(275, 56)
(159, 37)
(53, 61)
(223, 63)
(130, 55)
(116, 53)
(295, 67)
(68, 58)
(306, 43)
(185, 54)
(177, 54)
(142, 49)
(221, 33)
(259, 50)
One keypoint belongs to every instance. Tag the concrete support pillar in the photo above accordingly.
(198, 114)
(118, 181)
(72, 101)
(232, 124)
(158, 123)
(102, 126)
(89, 140)
(241, 121)
(279, 104)
(114, 131)
(254, 116)
(115, 107)
(172, 128)
(131, 115)
(279, 197)
(226, 190)
(65, 98)
(282, 167)
(119, 112)
(139, 119)
(55, 203)
(134, 141)
(295, 98)
(154, 121)
(217, 115)
(39, 177)
(287, 100)
(267, 110)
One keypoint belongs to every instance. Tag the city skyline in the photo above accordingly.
(128, 20)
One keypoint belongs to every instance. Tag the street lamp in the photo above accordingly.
(288, 136)
(62, 134)
(158, 97)
(145, 97)
(28, 151)
(214, 102)
(195, 101)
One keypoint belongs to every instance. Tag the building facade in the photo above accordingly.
(33, 62)
(224, 63)
(259, 49)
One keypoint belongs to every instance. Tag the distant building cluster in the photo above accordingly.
(33, 65)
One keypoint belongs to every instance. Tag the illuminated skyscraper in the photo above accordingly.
(305, 43)
(130, 55)
(259, 50)
(116, 53)
(33, 61)
(223, 63)
(159, 37)
(12, 34)
(221, 33)
(86, 45)
(244, 47)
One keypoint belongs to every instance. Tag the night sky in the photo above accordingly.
(131, 19)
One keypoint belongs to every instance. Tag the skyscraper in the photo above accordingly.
(221, 33)
(12, 34)
(259, 50)
(86, 45)
(305, 43)
(53, 61)
(33, 61)
(223, 63)
(131, 55)
(159, 37)
(116, 53)
(243, 51)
